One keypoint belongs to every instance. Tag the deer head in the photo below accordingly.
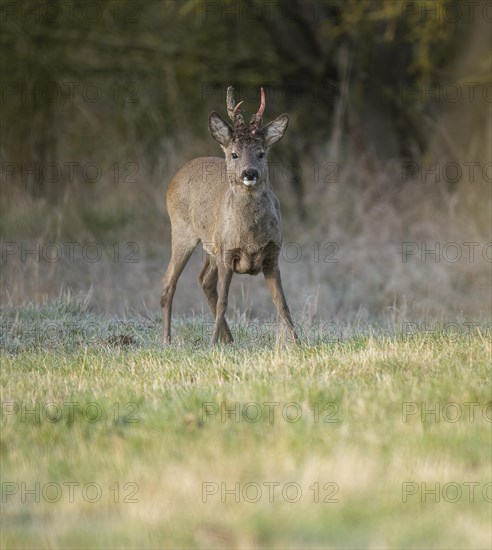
(246, 147)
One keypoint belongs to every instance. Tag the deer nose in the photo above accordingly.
(249, 175)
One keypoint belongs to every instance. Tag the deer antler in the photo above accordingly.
(257, 118)
(233, 110)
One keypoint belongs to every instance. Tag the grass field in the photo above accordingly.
(110, 440)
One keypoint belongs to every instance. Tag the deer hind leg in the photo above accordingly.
(208, 280)
(183, 245)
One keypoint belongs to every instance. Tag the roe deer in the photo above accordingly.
(230, 207)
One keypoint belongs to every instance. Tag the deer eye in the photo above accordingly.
(261, 155)
(234, 155)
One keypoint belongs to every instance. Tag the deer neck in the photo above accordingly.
(242, 196)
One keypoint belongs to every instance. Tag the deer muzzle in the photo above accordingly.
(249, 177)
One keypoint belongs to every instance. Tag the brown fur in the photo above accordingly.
(238, 225)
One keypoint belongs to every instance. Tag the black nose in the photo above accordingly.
(250, 175)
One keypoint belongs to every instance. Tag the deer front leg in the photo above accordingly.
(208, 280)
(223, 284)
(274, 283)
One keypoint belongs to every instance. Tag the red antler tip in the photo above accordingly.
(262, 103)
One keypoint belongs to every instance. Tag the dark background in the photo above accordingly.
(387, 151)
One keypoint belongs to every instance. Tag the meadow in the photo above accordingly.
(373, 437)
(375, 432)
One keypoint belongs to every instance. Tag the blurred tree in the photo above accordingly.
(341, 68)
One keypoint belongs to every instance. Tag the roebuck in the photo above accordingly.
(228, 205)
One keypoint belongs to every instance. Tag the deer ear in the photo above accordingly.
(275, 130)
(219, 129)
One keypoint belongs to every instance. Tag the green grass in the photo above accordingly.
(62, 353)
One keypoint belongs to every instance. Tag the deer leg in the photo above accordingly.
(223, 284)
(181, 252)
(208, 280)
(274, 283)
